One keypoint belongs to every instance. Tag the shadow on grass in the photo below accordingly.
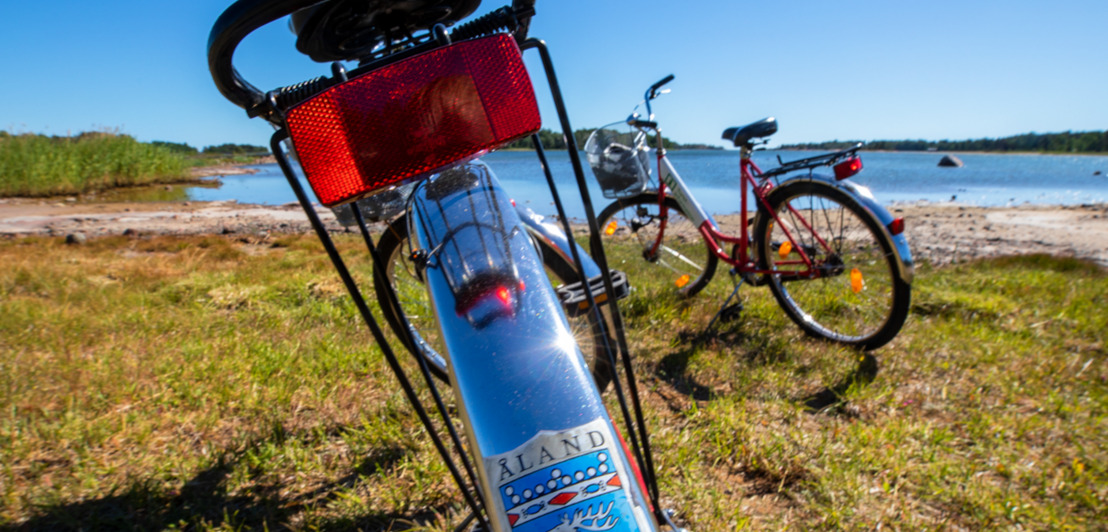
(673, 366)
(832, 398)
(204, 502)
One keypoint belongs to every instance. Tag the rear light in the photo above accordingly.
(408, 119)
(487, 296)
(848, 168)
(896, 226)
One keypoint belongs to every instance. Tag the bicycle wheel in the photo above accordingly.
(418, 316)
(683, 255)
(857, 295)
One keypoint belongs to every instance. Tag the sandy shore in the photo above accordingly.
(944, 233)
(938, 233)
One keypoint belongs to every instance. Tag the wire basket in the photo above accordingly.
(620, 161)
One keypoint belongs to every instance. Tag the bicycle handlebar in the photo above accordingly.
(661, 82)
(652, 92)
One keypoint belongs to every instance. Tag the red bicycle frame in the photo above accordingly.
(711, 232)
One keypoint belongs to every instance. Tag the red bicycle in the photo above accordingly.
(837, 262)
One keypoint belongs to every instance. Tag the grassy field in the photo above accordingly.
(36, 165)
(225, 383)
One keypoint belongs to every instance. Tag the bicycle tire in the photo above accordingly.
(685, 252)
(417, 315)
(860, 299)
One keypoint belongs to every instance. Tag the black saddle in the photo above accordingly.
(760, 129)
(345, 30)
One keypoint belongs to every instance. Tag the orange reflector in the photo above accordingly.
(785, 249)
(856, 283)
(413, 117)
(610, 229)
(682, 281)
(599, 298)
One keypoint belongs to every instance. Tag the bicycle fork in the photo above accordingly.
(548, 455)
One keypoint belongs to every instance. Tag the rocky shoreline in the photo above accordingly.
(939, 233)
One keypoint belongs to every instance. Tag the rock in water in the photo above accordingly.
(951, 161)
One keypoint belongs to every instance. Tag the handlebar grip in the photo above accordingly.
(643, 124)
(663, 81)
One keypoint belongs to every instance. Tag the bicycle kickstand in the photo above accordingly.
(729, 311)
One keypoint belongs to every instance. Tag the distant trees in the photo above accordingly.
(221, 150)
(236, 149)
(550, 140)
(556, 141)
(175, 147)
(1067, 142)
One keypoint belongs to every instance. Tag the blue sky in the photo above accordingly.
(827, 70)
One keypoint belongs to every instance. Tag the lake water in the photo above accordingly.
(985, 180)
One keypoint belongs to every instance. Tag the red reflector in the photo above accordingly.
(848, 168)
(504, 295)
(413, 117)
(896, 226)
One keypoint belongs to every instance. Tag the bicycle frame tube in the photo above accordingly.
(704, 222)
(549, 455)
(680, 192)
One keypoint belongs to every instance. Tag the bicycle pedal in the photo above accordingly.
(573, 295)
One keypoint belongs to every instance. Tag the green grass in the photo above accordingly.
(227, 383)
(988, 410)
(36, 165)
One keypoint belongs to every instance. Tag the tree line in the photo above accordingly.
(556, 141)
(1067, 142)
(226, 149)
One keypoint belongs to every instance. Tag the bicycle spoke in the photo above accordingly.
(635, 236)
(683, 258)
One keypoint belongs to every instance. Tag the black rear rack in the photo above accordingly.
(826, 159)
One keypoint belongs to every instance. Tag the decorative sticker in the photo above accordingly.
(566, 481)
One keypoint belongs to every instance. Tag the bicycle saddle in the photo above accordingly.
(742, 135)
(343, 30)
